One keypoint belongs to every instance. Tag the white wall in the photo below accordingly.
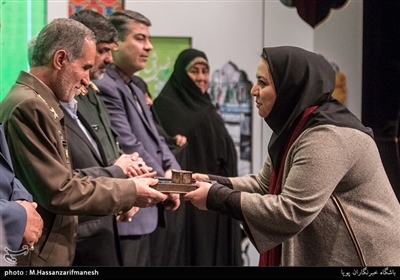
(339, 39)
(237, 30)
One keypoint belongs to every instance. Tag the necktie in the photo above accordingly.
(135, 95)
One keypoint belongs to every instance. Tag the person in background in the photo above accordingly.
(91, 106)
(35, 130)
(178, 143)
(132, 119)
(184, 107)
(322, 197)
(95, 157)
(20, 220)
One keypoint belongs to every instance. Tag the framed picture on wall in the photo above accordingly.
(229, 90)
(104, 7)
(161, 61)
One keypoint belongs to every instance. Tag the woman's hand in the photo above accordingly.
(180, 140)
(200, 177)
(198, 197)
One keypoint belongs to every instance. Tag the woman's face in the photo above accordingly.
(200, 75)
(264, 89)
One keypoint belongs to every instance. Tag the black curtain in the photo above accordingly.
(381, 81)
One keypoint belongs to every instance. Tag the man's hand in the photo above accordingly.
(34, 223)
(172, 202)
(145, 195)
(133, 165)
(168, 174)
(127, 216)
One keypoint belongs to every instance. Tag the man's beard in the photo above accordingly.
(98, 76)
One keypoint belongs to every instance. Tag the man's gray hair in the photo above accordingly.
(59, 34)
(121, 20)
(31, 44)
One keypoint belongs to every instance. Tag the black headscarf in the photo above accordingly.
(184, 109)
(302, 79)
(208, 238)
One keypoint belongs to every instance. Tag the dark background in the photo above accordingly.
(380, 82)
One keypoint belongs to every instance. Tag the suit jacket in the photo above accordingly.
(97, 241)
(36, 133)
(92, 107)
(137, 133)
(13, 215)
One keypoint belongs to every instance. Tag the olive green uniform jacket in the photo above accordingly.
(92, 107)
(36, 134)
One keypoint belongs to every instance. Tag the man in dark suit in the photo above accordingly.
(97, 241)
(22, 223)
(132, 119)
(91, 106)
(87, 120)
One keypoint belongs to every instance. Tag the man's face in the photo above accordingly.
(102, 60)
(74, 74)
(133, 53)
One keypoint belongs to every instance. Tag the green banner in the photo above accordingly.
(20, 20)
(161, 62)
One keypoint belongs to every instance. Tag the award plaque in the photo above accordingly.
(181, 183)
